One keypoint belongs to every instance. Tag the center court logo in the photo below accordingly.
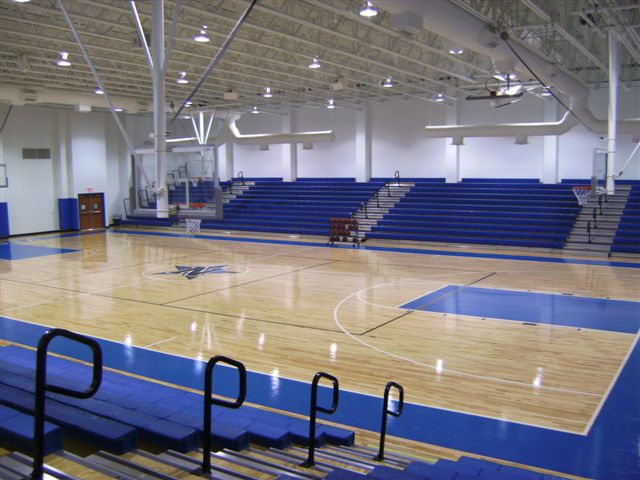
(194, 272)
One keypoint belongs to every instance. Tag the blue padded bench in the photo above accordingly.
(158, 431)
(16, 429)
(167, 410)
(103, 433)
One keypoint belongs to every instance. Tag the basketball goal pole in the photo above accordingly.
(613, 111)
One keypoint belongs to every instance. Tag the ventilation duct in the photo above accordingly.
(231, 132)
(457, 25)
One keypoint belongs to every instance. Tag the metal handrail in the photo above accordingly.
(595, 218)
(315, 408)
(589, 230)
(124, 204)
(209, 401)
(363, 206)
(241, 177)
(396, 175)
(386, 411)
(42, 387)
(600, 204)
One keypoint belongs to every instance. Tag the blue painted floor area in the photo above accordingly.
(417, 251)
(609, 451)
(544, 308)
(20, 251)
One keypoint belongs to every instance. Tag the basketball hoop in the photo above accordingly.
(193, 225)
(582, 194)
(492, 89)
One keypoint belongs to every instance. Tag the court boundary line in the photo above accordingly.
(472, 414)
(419, 308)
(426, 365)
(612, 384)
(489, 256)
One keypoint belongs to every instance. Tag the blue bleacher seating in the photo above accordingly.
(126, 407)
(627, 237)
(510, 212)
(301, 207)
(16, 428)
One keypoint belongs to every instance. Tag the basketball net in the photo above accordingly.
(582, 194)
(193, 225)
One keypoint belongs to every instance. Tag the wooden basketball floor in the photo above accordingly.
(507, 387)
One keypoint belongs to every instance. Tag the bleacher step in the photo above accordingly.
(586, 247)
(11, 469)
(191, 465)
(298, 455)
(294, 470)
(23, 464)
(338, 457)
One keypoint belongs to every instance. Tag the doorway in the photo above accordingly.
(91, 208)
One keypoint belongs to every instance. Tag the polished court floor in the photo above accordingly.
(497, 351)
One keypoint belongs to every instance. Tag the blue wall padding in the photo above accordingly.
(4, 219)
(68, 214)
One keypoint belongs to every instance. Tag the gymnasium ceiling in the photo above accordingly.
(276, 45)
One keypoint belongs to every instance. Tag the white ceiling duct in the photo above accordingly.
(233, 133)
(20, 96)
(505, 130)
(455, 24)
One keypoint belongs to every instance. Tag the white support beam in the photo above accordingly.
(452, 152)
(550, 170)
(159, 114)
(363, 144)
(289, 150)
(229, 160)
(613, 110)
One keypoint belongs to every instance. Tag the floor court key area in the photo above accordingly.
(497, 355)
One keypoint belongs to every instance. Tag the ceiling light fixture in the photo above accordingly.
(439, 98)
(202, 36)
(21, 1)
(388, 83)
(255, 109)
(314, 62)
(118, 109)
(267, 92)
(181, 78)
(98, 91)
(368, 10)
(188, 103)
(332, 104)
(456, 51)
(63, 61)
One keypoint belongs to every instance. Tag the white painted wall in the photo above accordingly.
(30, 196)
(98, 156)
(330, 159)
(249, 159)
(399, 142)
